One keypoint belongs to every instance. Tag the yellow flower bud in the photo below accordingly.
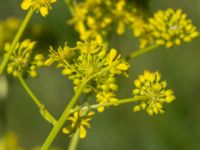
(112, 55)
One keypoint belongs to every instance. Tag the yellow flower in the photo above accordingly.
(20, 61)
(105, 97)
(150, 86)
(10, 141)
(138, 26)
(111, 56)
(89, 46)
(117, 65)
(93, 19)
(79, 121)
(88, 60)
(20, 57)
(59, 55)
(42, 6)
(38, 61)
(168, 28)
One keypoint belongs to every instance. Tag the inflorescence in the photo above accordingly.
(79, 121)
(95, 18)
(168, 28)
(22, 60)
(98, 18)
(150, 85)
(42, 6)
(91, 62)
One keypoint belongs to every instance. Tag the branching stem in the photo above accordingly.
(44, 112)
(121, 101)
(141, 51)
(74, 141)
(53, 133)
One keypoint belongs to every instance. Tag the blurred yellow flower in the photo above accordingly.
(168, 28)
(19, 61)
(42, 6)
(97, 19)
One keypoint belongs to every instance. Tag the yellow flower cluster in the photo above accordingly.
(107, 93)
(168, 28)
(79, 121)
(20, 60)
(10, 142)
(97, 18)
(90, 61)
(42, 6)
(150, 86)
(87, 60)
(38, 61)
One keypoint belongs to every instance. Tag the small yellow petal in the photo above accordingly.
(44, 11)
(137, 83)
(122, 66)
(136, 108)
(39, 57)
(111, 56)
(26, 4)
(10, 69)
(143, 105)
(53, 1)
(33, 73)
(83, 132)
(66, 131)
(100, 109)
(170, 98)
(169, 44)
(136, 91)
(150, 112)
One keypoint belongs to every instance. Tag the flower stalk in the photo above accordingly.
(16, 39)
(121, 101)
(74, 141)
(44, 112)
(53, 133)
(142, 51)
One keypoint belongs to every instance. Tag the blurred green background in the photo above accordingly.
(117, 128)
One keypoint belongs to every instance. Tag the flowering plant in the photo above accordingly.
(91, 65)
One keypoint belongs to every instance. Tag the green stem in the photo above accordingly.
(16, 39)
(44, 112)
(122, 101)
(142, 51)
(69, 5)
(53, 133)
(74, 140)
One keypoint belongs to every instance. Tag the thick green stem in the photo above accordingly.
(53, 133)
(16, 39)
(44, 112)
(142, 51)
(74, 141)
